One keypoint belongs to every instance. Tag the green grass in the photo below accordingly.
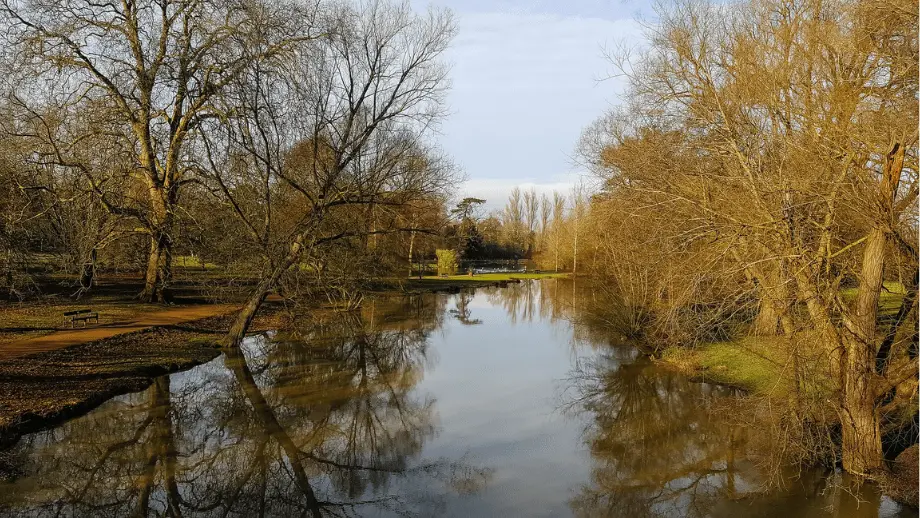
(889, 300)
(761, 365)
(757, 364)
(750, 364)
(190, 261)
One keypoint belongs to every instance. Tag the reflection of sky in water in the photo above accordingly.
(496, 387)
(453, 384)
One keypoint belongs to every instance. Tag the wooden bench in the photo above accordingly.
(78, 315)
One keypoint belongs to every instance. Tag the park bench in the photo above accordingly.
(78, 315)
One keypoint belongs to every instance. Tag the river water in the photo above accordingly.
(484, 403)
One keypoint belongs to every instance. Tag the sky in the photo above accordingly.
(526, 78)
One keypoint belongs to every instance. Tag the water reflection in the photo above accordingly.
(663, 445)
(462, 311)
(282, 428)
(355, 414)
(659, 450)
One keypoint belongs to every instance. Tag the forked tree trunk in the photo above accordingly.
(158, 276)
(159, 269)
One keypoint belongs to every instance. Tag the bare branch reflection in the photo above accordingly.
(320, 421)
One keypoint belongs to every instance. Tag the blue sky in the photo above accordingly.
(526, 79)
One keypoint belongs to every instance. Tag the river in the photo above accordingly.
(484, 403)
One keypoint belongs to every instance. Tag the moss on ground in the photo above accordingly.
(748, 364)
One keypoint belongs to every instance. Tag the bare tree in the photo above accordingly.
(336, 130)
(137, 77)
(513, 220)
(531, 209)
(796, 187)
(557, 226)
(546, 212)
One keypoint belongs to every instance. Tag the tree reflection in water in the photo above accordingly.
(328, 418)
(663, 445)
(658, 448)
(462, 310)
(324, 425)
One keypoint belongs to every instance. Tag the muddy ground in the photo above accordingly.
(41, 390)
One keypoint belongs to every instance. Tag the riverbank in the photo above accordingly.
(46, 388)
(752, 364)
(107, 326)
(761, 367)
(453, 283)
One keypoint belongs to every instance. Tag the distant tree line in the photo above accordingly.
(539, 228)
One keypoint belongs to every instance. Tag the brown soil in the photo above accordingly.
(43, 389)
(93, 332)
(901, 483)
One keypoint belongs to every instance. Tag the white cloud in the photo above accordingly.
(524, 87)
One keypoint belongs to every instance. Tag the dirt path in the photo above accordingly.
(62, 339)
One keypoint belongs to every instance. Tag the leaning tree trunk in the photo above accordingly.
(272, 428)
(257, 297)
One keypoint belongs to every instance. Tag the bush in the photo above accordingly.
(447, 262)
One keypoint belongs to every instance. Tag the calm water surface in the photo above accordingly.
(486, 403)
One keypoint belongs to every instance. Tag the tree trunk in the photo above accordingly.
(88, 272)
(575, 248)
(159, 268)
(862, 444)
(767, 322)
(254, 302)
(411, 249)
(159, 262)
(861, 448)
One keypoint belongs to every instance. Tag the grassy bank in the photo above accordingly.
(754, 364)
(762, 364)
